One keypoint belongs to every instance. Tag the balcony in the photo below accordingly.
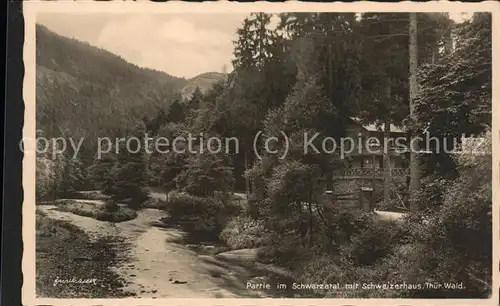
(371, 149)
(368, 173)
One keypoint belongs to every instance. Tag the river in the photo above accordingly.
(157, 266)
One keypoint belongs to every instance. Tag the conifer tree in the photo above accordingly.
(455, 96)
(72, 178)
(100, 173)
(131, 173)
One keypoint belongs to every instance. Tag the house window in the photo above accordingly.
(372, 142)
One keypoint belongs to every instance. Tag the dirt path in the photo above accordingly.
(159, 268)
(390, 216)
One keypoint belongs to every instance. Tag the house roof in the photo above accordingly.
(372, 127)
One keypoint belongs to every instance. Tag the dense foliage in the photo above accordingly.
(199, 215)
(306, 76)
(84, 91)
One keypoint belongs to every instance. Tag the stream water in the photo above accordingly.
(162, 262)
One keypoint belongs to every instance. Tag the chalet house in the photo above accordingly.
(362, 167)
(366, 161)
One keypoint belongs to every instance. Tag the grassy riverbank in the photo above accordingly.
(65, 252)
(97, 210)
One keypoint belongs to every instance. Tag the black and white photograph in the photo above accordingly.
(262, 153)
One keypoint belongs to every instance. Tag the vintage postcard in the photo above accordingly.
(260, 153)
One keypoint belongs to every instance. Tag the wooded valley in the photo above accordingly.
(312, 73)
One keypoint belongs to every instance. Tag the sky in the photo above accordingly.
(183, 45)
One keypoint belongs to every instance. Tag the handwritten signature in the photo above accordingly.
(75, 280)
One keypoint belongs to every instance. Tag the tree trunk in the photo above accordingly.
(373, 173)
(448, 44)
(330, 73)
(414, 146)
(309, 236)
(386, 145)
(247, 180)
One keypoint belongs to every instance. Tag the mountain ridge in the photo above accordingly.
(83, 91)
(204, 81)
(86, 91)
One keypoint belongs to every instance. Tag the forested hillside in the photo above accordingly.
(204, 82)
(307, 76)
(310, 75)
(84, 91)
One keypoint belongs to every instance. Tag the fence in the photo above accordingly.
(369, 172)
(362, 198)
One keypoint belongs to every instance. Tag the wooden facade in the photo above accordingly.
(363, 164)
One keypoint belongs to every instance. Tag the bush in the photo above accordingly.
(357, 236)
(457, 245)
(206, 173)
(197, 214)
(99, 212)
(243, 232)
(65, 202)
(326, 269)
(349, 223)
(431, 195)
(455, 238)
(321, 269)
(123, 214)
(132, 203)
(399, 266)
(47, 172)
(111, 206)
(253, 207)
(372, 243)
(155, 203)
(90, 195)
(287, 251)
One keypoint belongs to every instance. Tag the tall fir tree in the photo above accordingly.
(131, 173)
(72, 178)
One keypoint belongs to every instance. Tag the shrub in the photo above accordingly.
(321, 269)
(287, 251)
(90, 195)
(349, 223)
(110, 211)
(46, 174)
(244, 232)
(457, 244)
(65, 202)
(197, 214)
(206, 173)
(154, 203)
(348, 229)
(253, 207)
(111, 206)
(123, 214)
(77, 208)
(455, 238)
(431, 195)
(403, 265)
(370, 244)
(132, 203)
